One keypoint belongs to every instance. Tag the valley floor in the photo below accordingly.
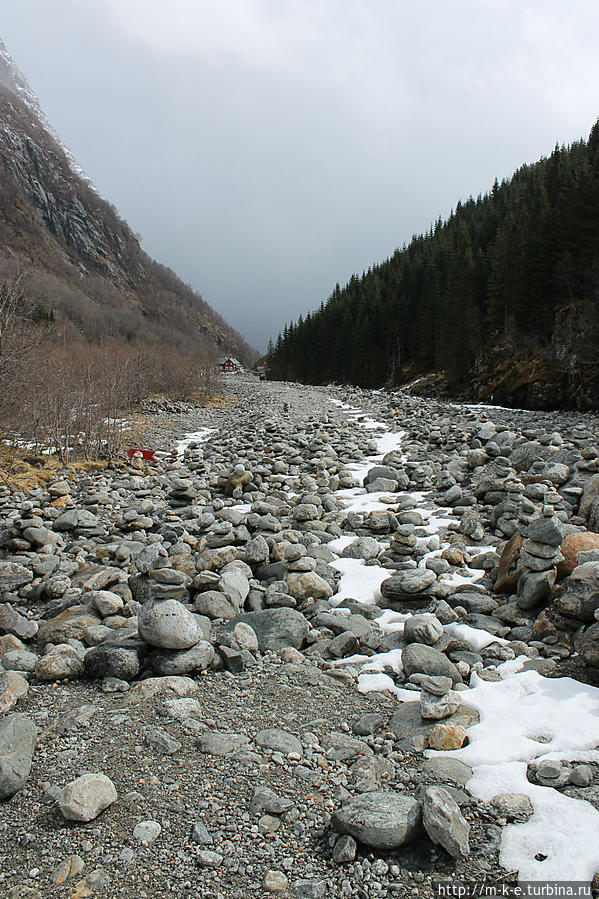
(238, 755)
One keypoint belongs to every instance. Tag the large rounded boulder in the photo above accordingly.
(168, 625)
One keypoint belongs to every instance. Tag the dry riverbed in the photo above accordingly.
(275, 661)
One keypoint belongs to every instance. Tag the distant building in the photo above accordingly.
(229, 364)
(260, 367)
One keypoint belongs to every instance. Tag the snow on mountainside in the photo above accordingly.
(12, 78)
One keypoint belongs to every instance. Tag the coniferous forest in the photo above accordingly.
(501, 301)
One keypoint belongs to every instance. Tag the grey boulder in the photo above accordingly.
(84, 798)
(379, 819)
(422, 659)
(275, 628)
(425, 628)
(198, 658)
(168, 624)
(443, 821)
(18, 736)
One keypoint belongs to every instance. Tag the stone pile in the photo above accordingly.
(437, 699)
(211, 558)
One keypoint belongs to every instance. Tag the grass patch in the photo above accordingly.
(24, 471)
(218, 400)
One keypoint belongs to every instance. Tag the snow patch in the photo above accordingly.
(516, 714)
(196, 437)
(477, 638)
(358, 581)
(382, 683)
(337, 546)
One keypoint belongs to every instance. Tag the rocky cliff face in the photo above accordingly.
(562, 375)
(575, 349)
(52, 218)
(40, 168)
(15, 82)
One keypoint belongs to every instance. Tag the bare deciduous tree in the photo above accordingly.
(18, 340)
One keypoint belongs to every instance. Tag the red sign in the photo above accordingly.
(146, 454)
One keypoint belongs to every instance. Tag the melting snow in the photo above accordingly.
(196, 437)
(379, 682)
(476, 637)
(358, 581)
(514, 713)
(390, 659)
(358, 500)
(338, 545)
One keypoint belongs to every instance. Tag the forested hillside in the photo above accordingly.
(502, 298)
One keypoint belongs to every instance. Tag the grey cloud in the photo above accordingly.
(267, 150)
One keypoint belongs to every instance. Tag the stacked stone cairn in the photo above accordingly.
(540, 555)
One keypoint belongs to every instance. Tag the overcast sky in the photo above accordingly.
(266, 149)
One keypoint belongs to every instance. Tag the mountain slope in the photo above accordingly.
(502, 299)
(15, 82)
(85, 267)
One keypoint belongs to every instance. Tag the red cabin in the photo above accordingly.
(229, 364)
